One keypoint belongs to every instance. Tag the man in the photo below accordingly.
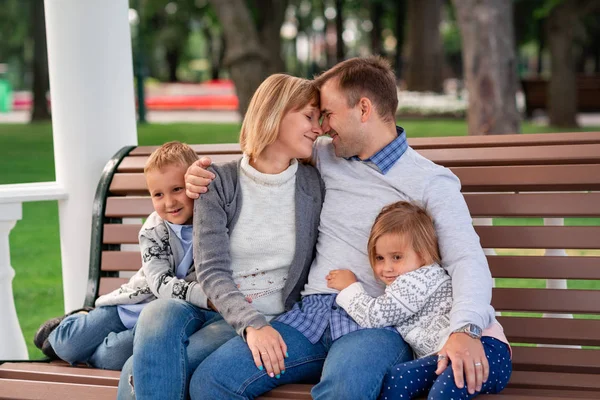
(365, 165)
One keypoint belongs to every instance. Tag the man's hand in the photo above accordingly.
(468, 359)
(340, 279)
(197, 178)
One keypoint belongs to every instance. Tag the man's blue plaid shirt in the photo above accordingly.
(315, 312)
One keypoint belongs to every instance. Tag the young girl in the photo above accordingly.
(404, 255)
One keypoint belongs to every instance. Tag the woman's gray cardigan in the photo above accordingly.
(215, 215)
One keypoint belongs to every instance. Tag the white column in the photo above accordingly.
(93, 115)
(12, 342)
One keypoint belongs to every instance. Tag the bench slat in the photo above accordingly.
(480, 205)
(546, 300)
(59, 373)
(221, 148)
(121, 260)
(539, 237)
(518, 237)
(533, 204)
(36, 390)
(108, 284)
(537, 155)
(128, 207)
(534, 267)
(532, 178)
(137, 163)
(541, 139)
(563, 331)
(545, 267)
(474, 179)
(549, 359)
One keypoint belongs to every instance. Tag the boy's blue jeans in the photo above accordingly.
(417, 378)
(172, 337)
(97, 338)
(351, 367)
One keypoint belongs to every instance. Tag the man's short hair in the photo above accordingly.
(276, 96)
(370, 77)
(171, 153)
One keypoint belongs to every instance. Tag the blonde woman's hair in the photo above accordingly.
(275, 97)
(171, 153)
(412, 223)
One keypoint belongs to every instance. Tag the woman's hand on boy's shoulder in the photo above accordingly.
(340, 279)
(197, 178)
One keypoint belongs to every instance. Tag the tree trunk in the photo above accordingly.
(400, 30)
(562, 88)
(41, 82)
(172, 58)
(376, 38)
(424, 72)
(243, 55)
(490, 65)
(339, 30)
(271, 16)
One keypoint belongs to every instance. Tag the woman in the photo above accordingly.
(254, 237)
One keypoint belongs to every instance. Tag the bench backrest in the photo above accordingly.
(517, 183)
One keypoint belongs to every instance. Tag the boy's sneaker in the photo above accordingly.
(40, 339)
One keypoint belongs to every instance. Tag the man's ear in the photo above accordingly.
(366, 108)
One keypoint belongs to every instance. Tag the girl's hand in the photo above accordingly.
(268, 349)
(340, 279)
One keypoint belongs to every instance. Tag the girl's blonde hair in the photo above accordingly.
(171, 153)
(276, 96)
(411, 222)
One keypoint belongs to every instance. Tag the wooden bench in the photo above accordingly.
(511, 176)
(536, 94)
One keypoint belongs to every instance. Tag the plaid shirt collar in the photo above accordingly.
(385, 158)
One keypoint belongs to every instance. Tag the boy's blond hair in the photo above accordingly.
(276, 96)
(412, 223)
(171, 153)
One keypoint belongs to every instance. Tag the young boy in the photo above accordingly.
(103, 337)
(403, 251)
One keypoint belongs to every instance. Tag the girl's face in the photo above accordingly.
(393, 257)
(298, 131)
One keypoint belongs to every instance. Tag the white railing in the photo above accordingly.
(12, 197)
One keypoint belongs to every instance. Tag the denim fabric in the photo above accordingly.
(351, 367)
(417, 378)
(171, 338)
(97, 338)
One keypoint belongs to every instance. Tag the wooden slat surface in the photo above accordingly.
(531, 178)
(128, 207)
(542, 139)
(533, 204)
(537, 155)
(546, 300)
(107, 285)
(59, 373)
(480, 205)
(473, 179)
(222, 148)
(549, 359)
(36, 390)
(121, 260)
(539, 237)
(554, 380)
(545, 267)
(136, 163)
(563, 331)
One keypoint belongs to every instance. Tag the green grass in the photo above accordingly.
(26, 155)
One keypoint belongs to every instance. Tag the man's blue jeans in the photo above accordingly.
(171, 338)
(351, 367)
(97, 338)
